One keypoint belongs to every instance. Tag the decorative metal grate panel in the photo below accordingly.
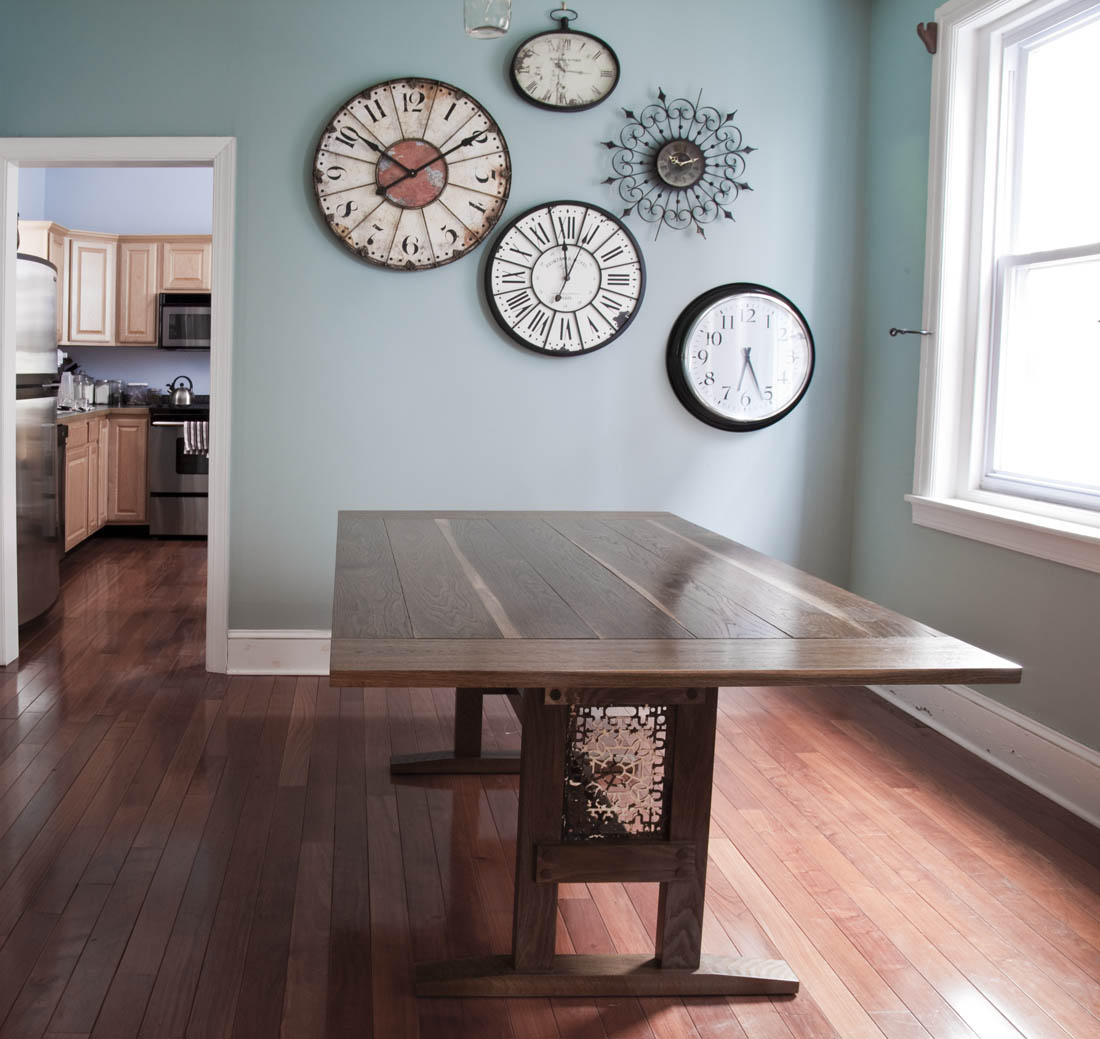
(616, 774)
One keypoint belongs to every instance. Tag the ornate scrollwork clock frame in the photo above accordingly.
(679, 164)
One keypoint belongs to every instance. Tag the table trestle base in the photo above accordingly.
(599, 976)
(467, 757)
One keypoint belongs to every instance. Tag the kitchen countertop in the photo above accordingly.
(104, 409)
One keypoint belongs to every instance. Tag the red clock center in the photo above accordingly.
(418, 189)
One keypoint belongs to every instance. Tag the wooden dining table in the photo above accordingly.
(612, 633)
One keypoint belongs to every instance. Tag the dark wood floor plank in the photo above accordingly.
(39, 996)
(349, 951)
(91, 977)
(213, 1008)
(169, 1005)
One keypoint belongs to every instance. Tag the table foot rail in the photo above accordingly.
(599, 976)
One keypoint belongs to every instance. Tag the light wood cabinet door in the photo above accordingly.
(137, 292)
(58, 250)
(185, 266)
(104, 455)
(76, 495)
(93, 481)
(92, 266)
(127, 484)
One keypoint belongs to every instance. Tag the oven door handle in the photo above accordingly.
(168, 423)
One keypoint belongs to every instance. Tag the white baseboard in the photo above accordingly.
(1039, 757)
(259, 652)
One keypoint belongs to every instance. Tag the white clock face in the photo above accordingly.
(745, 358)
(412, 174)
(565, 70)
(565, 278)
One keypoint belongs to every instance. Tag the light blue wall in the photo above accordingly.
(130, 200)
(1041, 614)
(355, 386)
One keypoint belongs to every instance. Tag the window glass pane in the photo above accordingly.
(1047, 423)
(1059, 202)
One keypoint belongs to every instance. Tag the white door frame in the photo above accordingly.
(126, 151)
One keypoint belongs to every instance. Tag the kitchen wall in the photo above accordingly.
(130, 200)
(359, 387)
(1039, 613)
(143, 364)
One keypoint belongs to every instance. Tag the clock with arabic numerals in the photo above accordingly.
(563, 70)
(411, 174)
(565, 278)
(740, 356)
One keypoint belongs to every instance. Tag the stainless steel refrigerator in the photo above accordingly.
(36, 455)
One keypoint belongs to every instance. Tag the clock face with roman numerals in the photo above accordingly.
(411, 174)
(565, 278)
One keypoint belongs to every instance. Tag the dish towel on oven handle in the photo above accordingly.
(196, 438)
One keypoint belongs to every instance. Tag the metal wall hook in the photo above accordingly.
(910, 332)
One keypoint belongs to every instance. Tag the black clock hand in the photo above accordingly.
(424, 165)
(744, 365)
(382, 152)
(557, 298)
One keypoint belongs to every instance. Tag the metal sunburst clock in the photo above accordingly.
(679, 164)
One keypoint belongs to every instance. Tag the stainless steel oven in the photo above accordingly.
(178, 482)
(184, 321)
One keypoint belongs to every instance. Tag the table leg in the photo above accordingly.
(552, 846)
(467, 756)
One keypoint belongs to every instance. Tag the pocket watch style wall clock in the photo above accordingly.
(565, 278)
(740, 356)
(679, 164)
(411, 174)
(563, 70)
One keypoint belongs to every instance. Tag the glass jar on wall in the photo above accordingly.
(487, 19)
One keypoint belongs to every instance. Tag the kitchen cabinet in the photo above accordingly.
(138, 266)
(93, 260)
(128, 439)
(107, 284)
(50, 241)
(185, 265)
(104, 473)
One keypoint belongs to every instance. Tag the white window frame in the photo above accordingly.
(962, 297)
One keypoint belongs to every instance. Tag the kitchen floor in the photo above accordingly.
(192, 854)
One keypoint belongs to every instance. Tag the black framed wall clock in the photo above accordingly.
(411, 174)
(740, 356)
(565, 278)
(563, 70)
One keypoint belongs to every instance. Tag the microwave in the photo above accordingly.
(184, 321)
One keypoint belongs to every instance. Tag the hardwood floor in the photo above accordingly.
(184, 854)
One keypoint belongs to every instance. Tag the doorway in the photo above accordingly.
(219, 154)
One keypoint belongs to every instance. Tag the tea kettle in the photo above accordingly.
(181, 395)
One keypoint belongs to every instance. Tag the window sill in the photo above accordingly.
(1072, 544)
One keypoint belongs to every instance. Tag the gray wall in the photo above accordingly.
(1041, 614)
(357, 387)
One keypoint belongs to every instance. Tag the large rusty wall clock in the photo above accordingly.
(411, 174)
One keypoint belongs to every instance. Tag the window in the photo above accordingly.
(1008, 447)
